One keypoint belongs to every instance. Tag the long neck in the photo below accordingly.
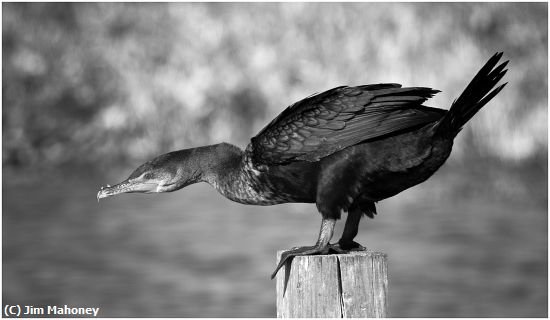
(225, 167)
(218, 161)
(228, 169)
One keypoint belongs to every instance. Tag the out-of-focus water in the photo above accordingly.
(456, 247)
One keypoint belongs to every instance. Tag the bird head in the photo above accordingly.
(165, 173)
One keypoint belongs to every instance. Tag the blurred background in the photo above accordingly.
(91, 91)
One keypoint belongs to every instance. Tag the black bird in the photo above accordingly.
(343, 149)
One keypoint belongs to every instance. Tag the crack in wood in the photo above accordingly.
(340, 291)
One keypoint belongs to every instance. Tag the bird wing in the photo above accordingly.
(322, 124)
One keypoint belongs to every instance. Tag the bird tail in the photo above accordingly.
(475, 96)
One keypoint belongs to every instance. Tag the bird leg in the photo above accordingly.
(321, 247)
(351, 228)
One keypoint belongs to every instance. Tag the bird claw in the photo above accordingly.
(298, 251)
(304, 251)
(336, 248)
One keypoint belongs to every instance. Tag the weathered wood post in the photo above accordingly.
(353, 285)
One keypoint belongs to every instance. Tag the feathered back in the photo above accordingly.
(330, 121)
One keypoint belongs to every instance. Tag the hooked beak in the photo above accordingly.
(126, 186)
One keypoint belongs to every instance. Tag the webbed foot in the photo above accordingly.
(321, 247)
(350, 246)
(299, 251)
(338, 248)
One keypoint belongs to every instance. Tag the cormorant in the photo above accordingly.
(343, 149)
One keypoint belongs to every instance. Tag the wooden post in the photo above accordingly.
(353, 285)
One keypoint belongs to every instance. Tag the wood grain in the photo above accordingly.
(350, 285)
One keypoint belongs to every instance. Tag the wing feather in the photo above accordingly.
(330, 121)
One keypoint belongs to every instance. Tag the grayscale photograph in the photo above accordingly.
(290, 160)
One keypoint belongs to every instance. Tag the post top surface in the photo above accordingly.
(366, 253)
